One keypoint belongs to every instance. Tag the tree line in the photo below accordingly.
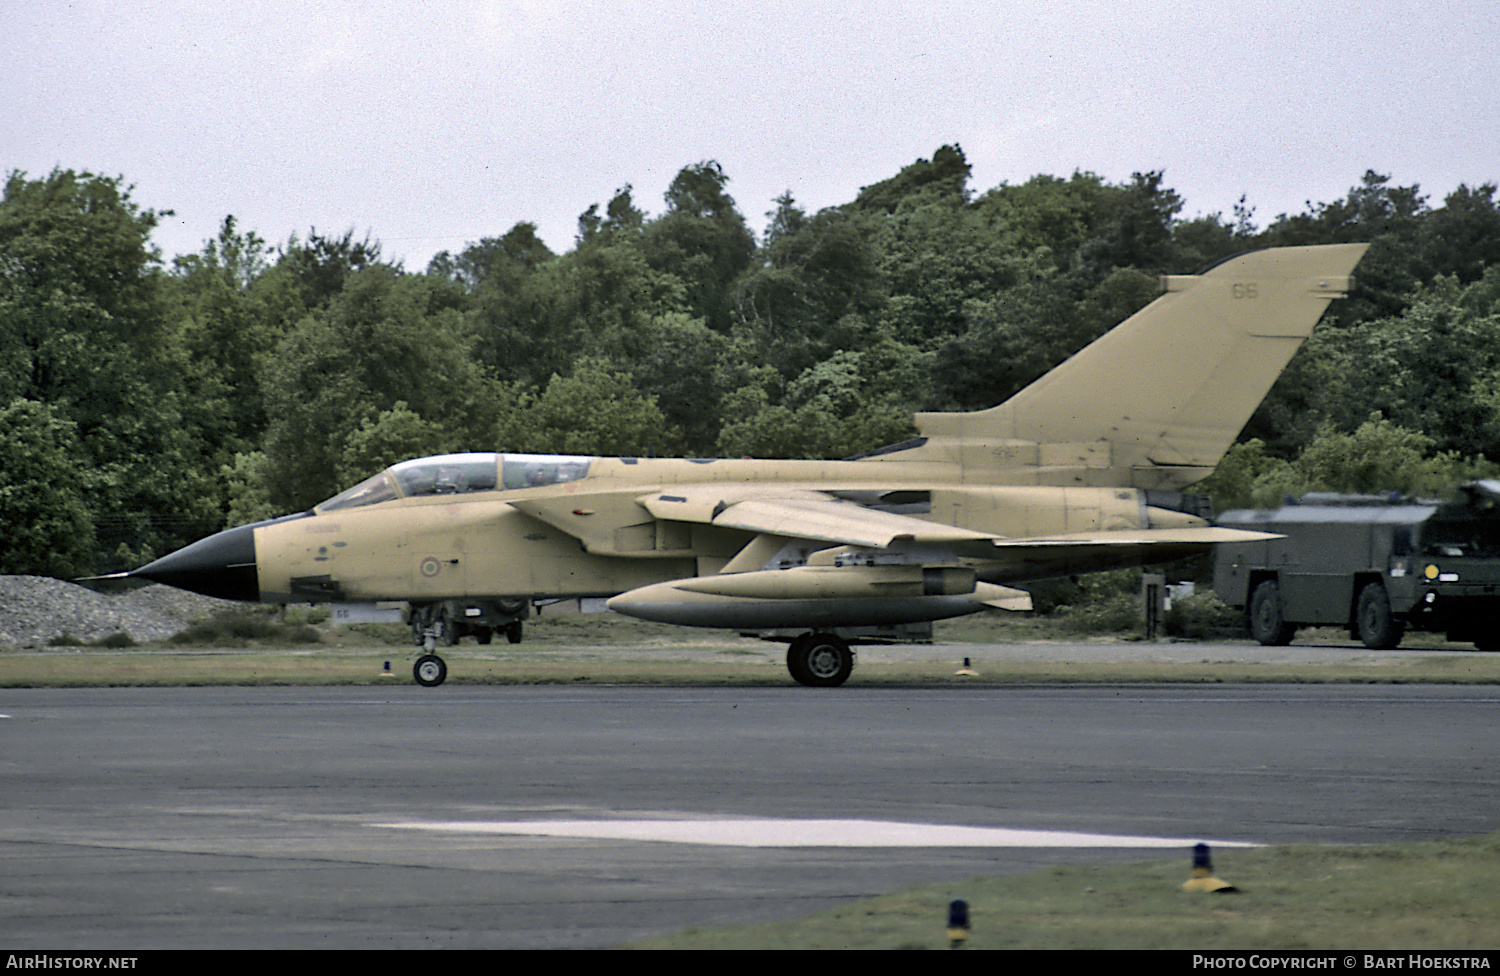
(144, 403)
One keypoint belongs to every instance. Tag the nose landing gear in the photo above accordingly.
(430, 671)
(446, 622)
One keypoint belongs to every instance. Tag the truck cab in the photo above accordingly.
(1374, 565)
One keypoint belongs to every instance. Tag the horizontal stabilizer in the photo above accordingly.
(1003, 597)
(1017, 560)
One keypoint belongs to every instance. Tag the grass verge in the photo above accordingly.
(763, 665)
(239, 649)
(1429, 895)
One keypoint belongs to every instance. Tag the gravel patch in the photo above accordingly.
(37, 610)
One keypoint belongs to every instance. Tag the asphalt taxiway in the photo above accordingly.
(575, 817)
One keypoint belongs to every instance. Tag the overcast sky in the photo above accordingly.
(430, 125)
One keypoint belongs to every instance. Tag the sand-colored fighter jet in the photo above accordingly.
(1080, 471)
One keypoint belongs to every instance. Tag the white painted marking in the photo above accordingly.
(800, 833)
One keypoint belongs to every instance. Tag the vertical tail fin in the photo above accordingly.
(1156, 401)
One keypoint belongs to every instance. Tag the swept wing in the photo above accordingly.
(800, 515)
(819, 517)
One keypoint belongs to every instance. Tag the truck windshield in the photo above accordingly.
(1479, 537)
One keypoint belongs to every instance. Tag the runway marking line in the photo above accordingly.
(800, 833)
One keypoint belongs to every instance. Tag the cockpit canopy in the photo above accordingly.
(456, 474)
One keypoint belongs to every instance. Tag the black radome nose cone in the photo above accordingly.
(222, 565)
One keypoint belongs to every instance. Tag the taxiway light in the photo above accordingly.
(967, 671)
(1203, 874)
(386, 672)
(958, 923)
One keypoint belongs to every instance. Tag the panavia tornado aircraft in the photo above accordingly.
(1080, 471)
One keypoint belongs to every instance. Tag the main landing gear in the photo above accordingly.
(820, 660)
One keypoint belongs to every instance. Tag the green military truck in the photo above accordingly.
(1378, 566)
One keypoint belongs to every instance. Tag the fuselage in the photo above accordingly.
(549, 526)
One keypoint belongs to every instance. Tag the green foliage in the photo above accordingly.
(1462, 238)
(594, 410)
(509, 282)
(1087, 228)
(937, 254)
(1386, 217)
(248, 491)
(1237, 481)
(1429, 369)
(1099, 603)
(702, 241)
(1117, 614)
(780, 431)
(379, 342)
(495, 261)
(945, 176)
(1009, 340)
(320, 268)
(687, 369)
(76, 274)
(84, 330)
(832, 410)
(240, 628)
(395, 435)
(248, 381)
(227, 328)
(599, 301)
(816, 277)
(1203, 616)
(1379, 457)
(309, 615)
(48, 528)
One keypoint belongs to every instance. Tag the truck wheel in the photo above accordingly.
(1266, 623)
(1378, 627)
(451, 629)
